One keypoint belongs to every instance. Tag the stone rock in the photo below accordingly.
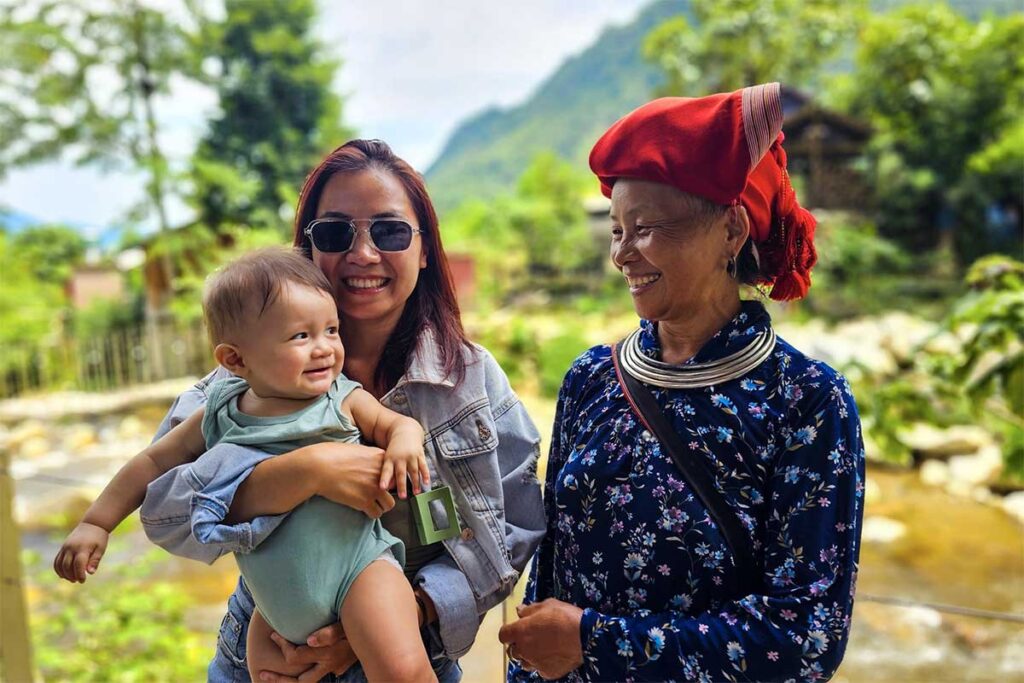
(980, 469)
(878, 529)
(872, 491)
(1014, 505)
(922, 617)
(80, 437)
(29, 429)
(34, 447)
(934, 473)
(130, 427)
(929, 442)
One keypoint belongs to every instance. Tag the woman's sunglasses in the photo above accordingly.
(337, 235)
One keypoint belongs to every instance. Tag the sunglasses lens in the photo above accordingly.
(332, 236)
(391, 235)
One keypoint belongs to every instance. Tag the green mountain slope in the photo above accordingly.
(487, 153)
(587, 93)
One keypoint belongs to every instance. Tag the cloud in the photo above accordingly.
(411, 72)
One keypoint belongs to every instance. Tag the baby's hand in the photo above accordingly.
(402, 460)
(81, 552)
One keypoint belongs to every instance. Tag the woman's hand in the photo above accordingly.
(327, 652)
(546, 638)
(349, 474)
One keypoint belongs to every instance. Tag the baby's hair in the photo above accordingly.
(247, 286)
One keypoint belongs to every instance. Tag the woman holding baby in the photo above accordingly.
(365, 220)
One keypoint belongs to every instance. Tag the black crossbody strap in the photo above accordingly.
(696, 470)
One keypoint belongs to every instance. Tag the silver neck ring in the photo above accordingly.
(695, 375)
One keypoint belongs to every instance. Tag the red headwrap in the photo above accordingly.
(726, 148)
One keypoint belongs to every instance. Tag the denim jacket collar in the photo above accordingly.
(425, 367)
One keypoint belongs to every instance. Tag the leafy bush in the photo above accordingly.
(120, 626)
(555, 357)
(859, 272)
(981, 381)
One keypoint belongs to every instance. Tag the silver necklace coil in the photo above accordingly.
(695, 375)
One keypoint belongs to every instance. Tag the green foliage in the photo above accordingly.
(104, 316)
(939, 91)
(555, 357)
(535, 351)
(859, 273)
(30, 307)
(80, 78)
(566, 114)
(537, 240)
(979, 381)
(992, 360)
(730, 44)
(278, 115)
(198, 250)
(123, 625)
(51, 251)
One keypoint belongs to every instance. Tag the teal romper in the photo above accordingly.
(300, 575)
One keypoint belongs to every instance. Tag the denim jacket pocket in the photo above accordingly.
(470, 433)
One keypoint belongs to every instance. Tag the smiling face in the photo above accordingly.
(293, 350)
(672, 254)
(370, 285)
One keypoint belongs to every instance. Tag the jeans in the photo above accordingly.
(228, 665)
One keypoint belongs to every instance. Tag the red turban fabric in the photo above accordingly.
(726, 148)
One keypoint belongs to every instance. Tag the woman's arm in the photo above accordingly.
(441, 581)
(191, 510)
(346, 473)
(796, 629)
(201, 490)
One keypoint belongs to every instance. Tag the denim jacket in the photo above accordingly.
(479, 441)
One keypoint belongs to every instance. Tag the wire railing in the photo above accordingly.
(139, 354)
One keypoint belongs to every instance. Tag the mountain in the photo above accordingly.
(489, 151)
(586, 94)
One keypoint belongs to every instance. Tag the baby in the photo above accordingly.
(274, 324)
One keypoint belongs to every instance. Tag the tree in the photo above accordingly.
(735, 43)
(535, 239)
(278, 114)
(49, 252)
(943, 95)
(81, 80)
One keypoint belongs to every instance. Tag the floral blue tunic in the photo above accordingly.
(629, 542)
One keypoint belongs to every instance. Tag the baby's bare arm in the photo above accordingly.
(124, 494)
(81, 551)
(400, 436)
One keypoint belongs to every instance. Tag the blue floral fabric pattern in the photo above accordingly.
(629, 542)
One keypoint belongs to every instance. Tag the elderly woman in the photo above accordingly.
(704, 521)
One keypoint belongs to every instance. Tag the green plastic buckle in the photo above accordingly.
(425, 525)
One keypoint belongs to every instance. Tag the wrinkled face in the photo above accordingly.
(672, 258)
(370, 285)
(293, 350)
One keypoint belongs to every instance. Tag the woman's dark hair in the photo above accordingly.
(433, 302)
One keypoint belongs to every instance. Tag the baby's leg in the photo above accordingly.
(263, 654)
(380, 619)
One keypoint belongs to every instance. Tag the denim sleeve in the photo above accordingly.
(184, 509)
(459, 611)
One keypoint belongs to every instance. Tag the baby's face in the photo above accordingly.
(294, 350)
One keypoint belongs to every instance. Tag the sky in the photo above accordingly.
(412, 71)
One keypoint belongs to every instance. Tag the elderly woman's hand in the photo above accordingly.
(328, 652)
(546, 638)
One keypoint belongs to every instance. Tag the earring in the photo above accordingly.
(730, 267)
